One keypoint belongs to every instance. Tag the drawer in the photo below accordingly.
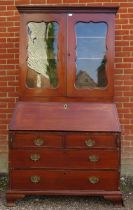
(64, 180)
(57, 158)
(91, 141)
(37, 140)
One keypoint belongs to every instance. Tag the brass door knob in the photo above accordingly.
(90, 143)
(35, 157)
(38, 142)
(35, 179)
(93, 180)
(93, 158)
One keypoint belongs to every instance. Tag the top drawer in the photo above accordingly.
(91, 141)
(37, 140)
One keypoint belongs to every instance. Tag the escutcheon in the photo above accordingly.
(93, 180)
(39, 142)
(93, 158)
(35, 157)
(90, 143)
(35, 179)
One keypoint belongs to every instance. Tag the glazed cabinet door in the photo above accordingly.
(90, 55)
(43, 55)
(66, 54)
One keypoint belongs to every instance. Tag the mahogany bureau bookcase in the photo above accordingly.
(64, 135)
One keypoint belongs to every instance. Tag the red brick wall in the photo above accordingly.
(9, 68)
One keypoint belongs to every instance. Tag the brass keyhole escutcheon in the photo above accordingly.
(65, 106)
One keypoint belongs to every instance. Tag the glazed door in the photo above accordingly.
(43, 55)
(67, 55)
(90, 55)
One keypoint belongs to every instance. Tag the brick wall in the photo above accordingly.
(9, 68)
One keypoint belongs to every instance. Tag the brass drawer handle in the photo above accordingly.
(39, 142)
(35, 179)
(35, 157)
(93, 158)
(93, 180)
(90, 143)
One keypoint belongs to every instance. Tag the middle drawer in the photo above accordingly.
(57, 158)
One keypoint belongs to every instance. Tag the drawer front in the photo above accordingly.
(55, 158)
(91, 141)
(37, 140)
(64, 180)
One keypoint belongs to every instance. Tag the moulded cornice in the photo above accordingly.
(65, 9)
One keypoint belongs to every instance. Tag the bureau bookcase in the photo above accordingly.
(64, 135)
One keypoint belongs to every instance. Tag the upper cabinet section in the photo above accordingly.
(67, 53)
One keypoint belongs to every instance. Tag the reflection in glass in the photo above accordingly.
(91, 55)
(88, 47)
(42, 55)
(91, 29)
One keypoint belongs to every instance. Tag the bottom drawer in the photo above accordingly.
(64, 180)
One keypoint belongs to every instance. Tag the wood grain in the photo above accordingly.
(77, 117)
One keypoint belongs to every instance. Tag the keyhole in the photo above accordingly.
(65, 106)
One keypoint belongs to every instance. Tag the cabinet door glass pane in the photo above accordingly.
(42, 55)
(91, 55)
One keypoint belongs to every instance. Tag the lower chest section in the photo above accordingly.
(64, 160)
